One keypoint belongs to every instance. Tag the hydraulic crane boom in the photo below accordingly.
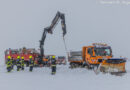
(50, 30)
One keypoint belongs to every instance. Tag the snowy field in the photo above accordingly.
(65, 79)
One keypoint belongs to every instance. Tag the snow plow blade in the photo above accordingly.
(114, 66)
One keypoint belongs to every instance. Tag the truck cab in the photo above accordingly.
(11, 52)
(95, 54)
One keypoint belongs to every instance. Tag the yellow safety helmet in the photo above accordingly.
(53, 56)
(22, 57)
(30, 57)
(9, 57)
(18, 57)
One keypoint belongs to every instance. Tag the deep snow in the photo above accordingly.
(65, 79)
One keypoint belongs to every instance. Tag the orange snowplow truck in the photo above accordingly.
(94, 55)
(90, 55)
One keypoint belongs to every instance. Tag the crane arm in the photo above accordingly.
(50, 30)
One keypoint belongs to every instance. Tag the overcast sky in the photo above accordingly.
(88, 21)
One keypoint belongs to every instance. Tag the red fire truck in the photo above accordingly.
(22, 53)
(11, 52)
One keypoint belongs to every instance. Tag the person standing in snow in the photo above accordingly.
(53, 65)
(22, 63)
(9, 64)
(18, 63)
(31, 63)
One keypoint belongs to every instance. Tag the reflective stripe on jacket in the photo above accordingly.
(8, 63)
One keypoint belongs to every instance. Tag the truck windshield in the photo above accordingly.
(102, 51)
(14, 52)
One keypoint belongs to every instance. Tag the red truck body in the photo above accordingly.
(22, 53)
(11, 52)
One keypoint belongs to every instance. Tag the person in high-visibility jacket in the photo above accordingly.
(31, 63)
(22, 63)
(18, 63)
(12, 62)
(9, 64)
(53, 65)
